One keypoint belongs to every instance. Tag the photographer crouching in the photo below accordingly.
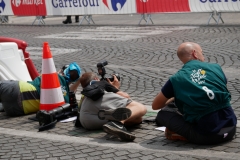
(105, 106)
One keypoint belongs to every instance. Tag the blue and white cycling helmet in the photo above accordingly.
(72, 76)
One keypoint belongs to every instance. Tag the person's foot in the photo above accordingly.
(117, 129)
(76, 19)
(67, 21)
(173, 136)
(118, 114)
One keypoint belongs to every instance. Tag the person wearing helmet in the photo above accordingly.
(20, 97)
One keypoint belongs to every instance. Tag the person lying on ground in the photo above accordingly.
(19, 97)
(105, 106)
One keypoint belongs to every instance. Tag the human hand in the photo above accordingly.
(115, 82)
(60, 72)
(169, 100)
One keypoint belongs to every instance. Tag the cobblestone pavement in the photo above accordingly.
(145, 57)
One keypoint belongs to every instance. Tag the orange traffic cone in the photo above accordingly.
(51, 94)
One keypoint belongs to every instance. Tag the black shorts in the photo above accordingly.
(177, 124)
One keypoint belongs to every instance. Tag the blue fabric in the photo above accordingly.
(167, 90)
(72, 66)
(213, 122)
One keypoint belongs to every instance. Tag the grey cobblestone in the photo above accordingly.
(104, 156)
(43, 156)
(88, 150)
(134, 155)
(121, 153)
(66, 157)
(96, 153)
(52, 158)
(144, 63)
(59, 154)
(120, 158)
(34, 150)
(109, 151)
(80, 155)
(149, 157)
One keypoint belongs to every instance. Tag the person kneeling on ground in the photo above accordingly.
(111, 110)
(19, 97)
(201, 96)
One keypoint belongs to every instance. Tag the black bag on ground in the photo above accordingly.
(93, 92)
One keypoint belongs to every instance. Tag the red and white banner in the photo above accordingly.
(162, 6)
(94, 7)
(27, 7)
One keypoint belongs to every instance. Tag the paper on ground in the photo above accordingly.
(161, 128)
(69, 119)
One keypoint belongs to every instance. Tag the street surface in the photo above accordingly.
(145, 57)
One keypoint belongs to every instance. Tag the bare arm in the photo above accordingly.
(159, 101)
(73, 87)
(123, 94)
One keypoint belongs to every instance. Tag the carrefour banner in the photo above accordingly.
(5, 8)
(160, 6)
(85, 7)
(214, 5)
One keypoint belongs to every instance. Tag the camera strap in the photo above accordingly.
(93, 91)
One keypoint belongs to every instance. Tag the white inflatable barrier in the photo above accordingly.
(12, 65)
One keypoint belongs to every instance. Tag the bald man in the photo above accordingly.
(204, 114)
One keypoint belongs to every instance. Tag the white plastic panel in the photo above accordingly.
(12, 65)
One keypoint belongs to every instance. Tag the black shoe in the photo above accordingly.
(117, 129)
(76, 19)
(118, 114)
(67, 21)
(1, 108)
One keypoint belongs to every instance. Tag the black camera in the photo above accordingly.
(102, 72)
(49, 118)
(73, 101)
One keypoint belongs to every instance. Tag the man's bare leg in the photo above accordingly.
(138, 111)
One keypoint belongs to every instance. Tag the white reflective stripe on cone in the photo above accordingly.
(48, 66)
(51, 96)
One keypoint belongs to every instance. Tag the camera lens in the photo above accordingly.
(105, 63)
(102, 64)
(110, 77)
